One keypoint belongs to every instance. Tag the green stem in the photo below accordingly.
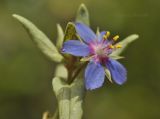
(78, 71)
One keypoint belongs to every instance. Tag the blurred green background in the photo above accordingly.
(26, 74)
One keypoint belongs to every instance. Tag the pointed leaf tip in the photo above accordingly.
(83, 15)
(41, 40)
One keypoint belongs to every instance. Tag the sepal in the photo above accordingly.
(108, 74)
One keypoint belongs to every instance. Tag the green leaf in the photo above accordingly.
(60, 36)
(70, 32)
(61, 71)
(62, 92)
(83, 15)
(42, 41)
(108, 74)
(124, 43)
(77, 97)
(70, 98)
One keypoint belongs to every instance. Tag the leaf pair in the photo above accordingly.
(70, 98)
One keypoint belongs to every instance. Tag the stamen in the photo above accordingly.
(107, 34)
(111, 46)
(118, 46)
(104, 37)
(115, 38)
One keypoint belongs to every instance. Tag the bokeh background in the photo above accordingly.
(26, 74)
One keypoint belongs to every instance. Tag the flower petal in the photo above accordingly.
(85, 32)
(118, 71)
(76, 48)
(94, 76)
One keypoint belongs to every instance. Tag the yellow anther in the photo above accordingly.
(107, 34)
(104, 37)
(118, 46)
(111, 46)
(115, 38)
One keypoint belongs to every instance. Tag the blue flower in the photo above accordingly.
(96, 49)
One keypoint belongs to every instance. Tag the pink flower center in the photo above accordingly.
(99, 51)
